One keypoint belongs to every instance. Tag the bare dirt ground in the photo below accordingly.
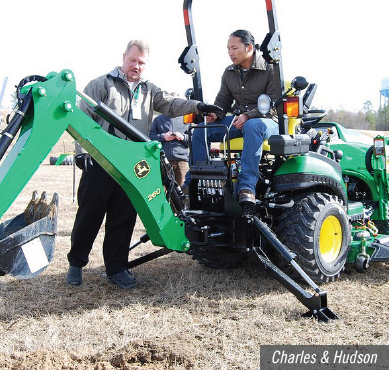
(181, 316)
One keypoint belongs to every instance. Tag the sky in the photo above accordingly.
(339, 44)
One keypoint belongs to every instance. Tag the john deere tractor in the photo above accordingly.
(323, 188)
(321, 200)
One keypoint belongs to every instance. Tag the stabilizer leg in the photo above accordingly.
(317, 302)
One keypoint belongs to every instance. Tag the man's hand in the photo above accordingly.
(169, 136)
(83, 161)
(178, 136)
(239, 121)
(206, 109)
(211, 118)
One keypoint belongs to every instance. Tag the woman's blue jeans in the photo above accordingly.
(254, 132)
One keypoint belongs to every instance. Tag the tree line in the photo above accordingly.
(366, 118)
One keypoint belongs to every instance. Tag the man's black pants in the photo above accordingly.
(100, 195)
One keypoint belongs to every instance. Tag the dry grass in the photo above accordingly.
(181, 316)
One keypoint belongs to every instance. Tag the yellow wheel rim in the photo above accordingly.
(330, 240)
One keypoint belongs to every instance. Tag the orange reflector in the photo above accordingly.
(189, 118)
(291, 107)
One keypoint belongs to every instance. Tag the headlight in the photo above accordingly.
(264, 104)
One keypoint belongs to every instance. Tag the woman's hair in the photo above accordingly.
(246, 37)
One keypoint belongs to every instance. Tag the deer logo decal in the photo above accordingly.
(142, 169)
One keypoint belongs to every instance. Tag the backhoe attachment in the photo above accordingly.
(27, 241)
(46, 109)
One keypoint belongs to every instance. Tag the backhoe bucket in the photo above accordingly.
(27, 241)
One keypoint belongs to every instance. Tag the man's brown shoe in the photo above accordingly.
(246, 197)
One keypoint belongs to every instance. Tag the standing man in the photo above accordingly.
(172, 133)
(99, 195)
(242, 83)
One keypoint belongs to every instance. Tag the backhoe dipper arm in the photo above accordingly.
(136, 166)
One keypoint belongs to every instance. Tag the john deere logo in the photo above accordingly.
(142, 169)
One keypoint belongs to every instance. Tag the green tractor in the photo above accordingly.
(324, 188)
(321, 201)
(364, 170)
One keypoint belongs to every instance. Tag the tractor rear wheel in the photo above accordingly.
(316, 229)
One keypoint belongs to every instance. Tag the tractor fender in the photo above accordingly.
(310, 170)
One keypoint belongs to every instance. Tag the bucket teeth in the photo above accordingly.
(39, 208)
(53, 207)
(29, 212)
(42, 206)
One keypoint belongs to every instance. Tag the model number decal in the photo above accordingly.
(154, 194)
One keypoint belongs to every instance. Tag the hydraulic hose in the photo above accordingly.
(24, 102)
(118, 122)
(13, 127)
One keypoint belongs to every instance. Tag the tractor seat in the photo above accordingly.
(236, 145)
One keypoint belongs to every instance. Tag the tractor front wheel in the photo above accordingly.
(316, 229)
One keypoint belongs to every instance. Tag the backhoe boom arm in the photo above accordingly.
(54, 111)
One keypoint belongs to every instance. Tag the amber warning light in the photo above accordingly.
(189, 118)
(291, 107)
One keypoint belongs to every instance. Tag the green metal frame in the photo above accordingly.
(55, 112)
(317, 172)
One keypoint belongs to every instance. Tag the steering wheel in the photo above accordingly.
(309, 121)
